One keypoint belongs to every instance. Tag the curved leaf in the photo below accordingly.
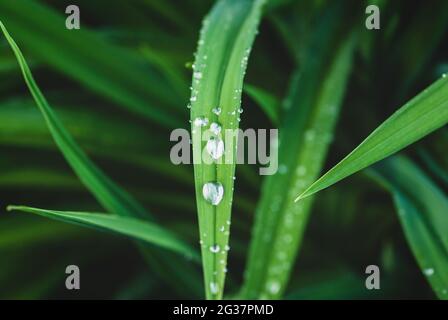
(131, 227)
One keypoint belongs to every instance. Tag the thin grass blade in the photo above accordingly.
(222, 55)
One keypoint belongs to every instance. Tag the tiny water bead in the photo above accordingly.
(215, 148)
(216, 111)
(215, 128)
(214, 249)
(213, 192)
(200, 122)
(197, 75)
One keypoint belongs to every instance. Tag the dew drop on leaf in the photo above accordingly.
(215, 128)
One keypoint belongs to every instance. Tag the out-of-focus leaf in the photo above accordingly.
(117, 74)
(109, 194)
(131, 227)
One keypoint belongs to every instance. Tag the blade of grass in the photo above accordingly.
(422, 209)
(224, 46)
(423, 114)
(109, 195)
(312, 112)
(268, 102)
(131, 227)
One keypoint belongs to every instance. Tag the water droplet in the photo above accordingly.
(214, 249)
(215, 148)
(197, 75)
(215, 128)
(227, 248)
(193, 98)
(214, 287)
(216, 111)
(213, 192)
(222, 229)
(200, 122)
(240, 110)
(301, 170)
(428, 272)
(444, 75)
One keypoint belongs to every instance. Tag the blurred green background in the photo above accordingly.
(121, 84)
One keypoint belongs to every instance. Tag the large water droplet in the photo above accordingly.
(215, 148)
(200, 122)
(213, 192)
(215, 128)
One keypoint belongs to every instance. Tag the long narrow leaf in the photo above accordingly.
(422, 209)
(425, 113)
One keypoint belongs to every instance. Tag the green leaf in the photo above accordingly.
(131, 227)
(422, 209)
(111, 71)
(224, 46)
(305, 136)
(425, 113)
